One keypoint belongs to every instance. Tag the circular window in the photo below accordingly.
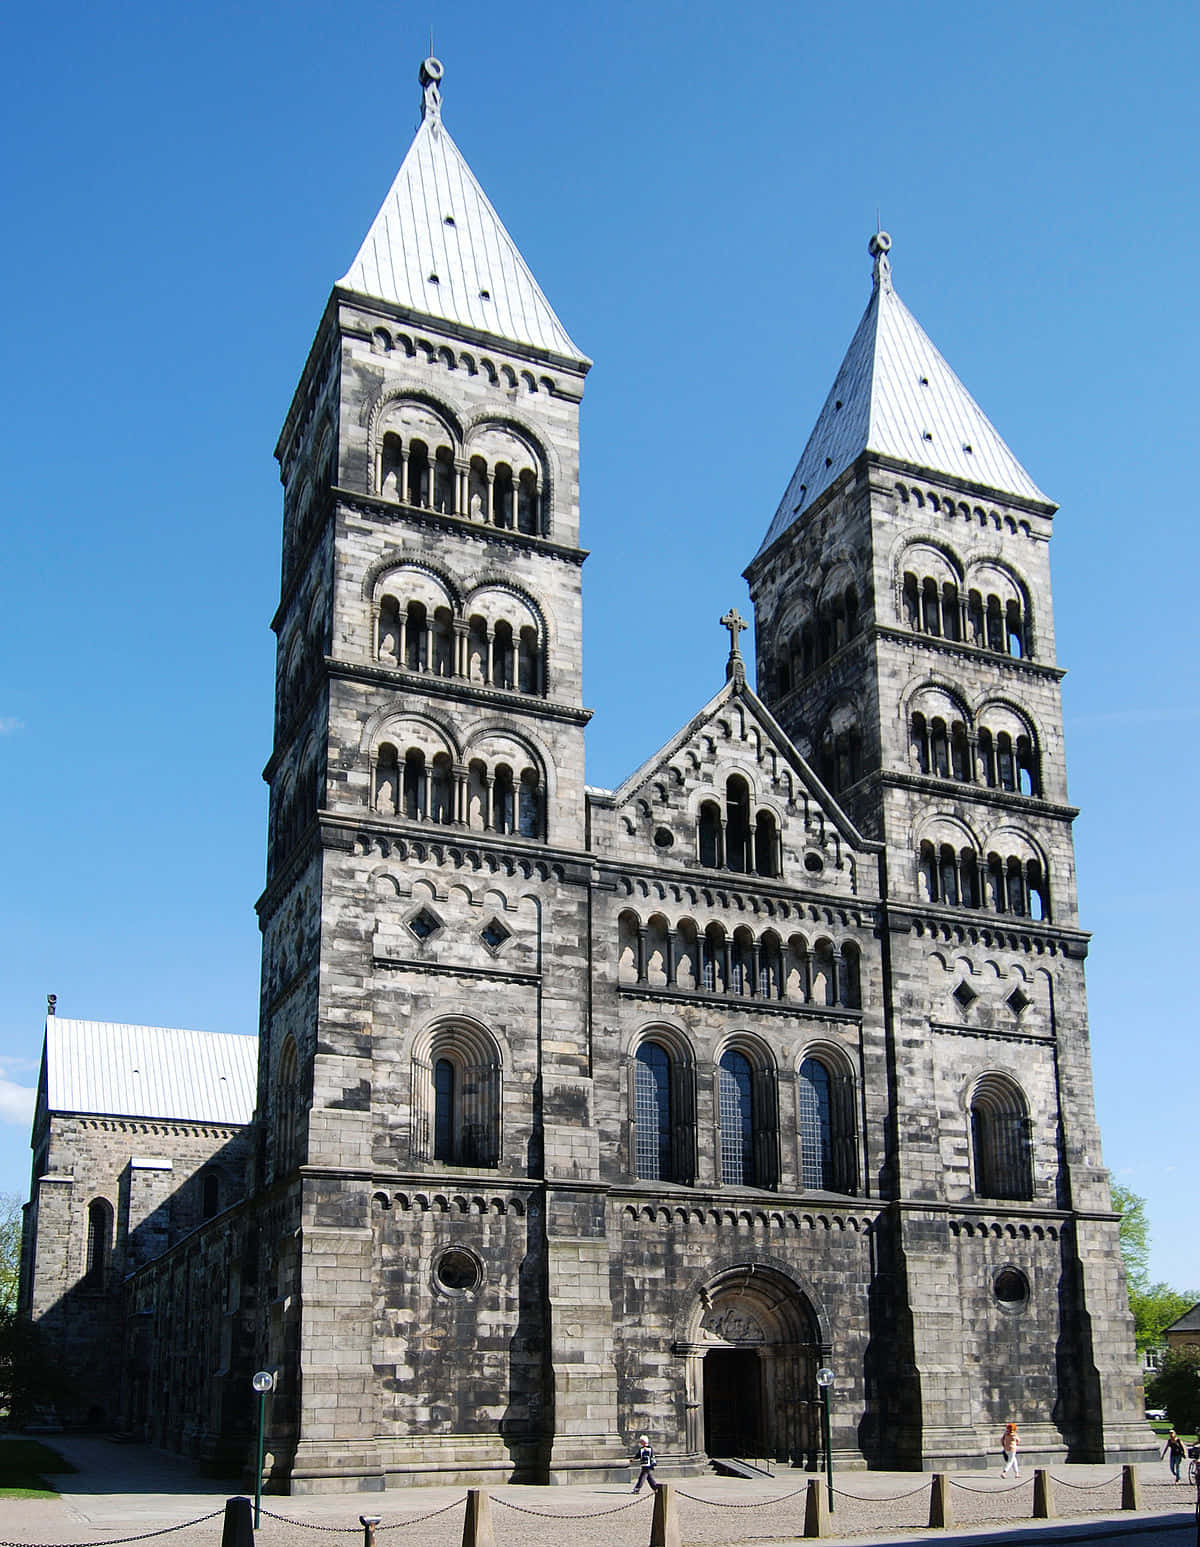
(663, 837)
(814, 864)
(457, 1269)
(1011, 1288)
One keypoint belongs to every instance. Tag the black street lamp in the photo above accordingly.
(825, 1379)
(263, 1382)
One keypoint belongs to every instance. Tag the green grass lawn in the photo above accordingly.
(24, 1467)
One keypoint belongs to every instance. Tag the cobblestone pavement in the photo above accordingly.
(125, 1491)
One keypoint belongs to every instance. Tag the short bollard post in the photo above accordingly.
(941, 1511)
(664, 1528)
(1043, 1494)
(238, 1531)
(368, 1523)
(816, 1509)
(1131, 1489)
(477, 1527)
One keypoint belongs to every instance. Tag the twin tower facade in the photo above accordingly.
(589, 1112)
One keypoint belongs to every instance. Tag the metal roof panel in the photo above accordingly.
(150, 1071)
(438, 247)
(895, 394)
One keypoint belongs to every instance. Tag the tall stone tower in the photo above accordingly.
(425, 1060)
(905, 640)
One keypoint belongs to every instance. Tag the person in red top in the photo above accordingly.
(1009, 1445)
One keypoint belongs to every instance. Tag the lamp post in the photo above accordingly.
(825, 1379)
(263, 1382)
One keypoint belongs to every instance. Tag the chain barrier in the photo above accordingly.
(393, 1525)
(1004, 1487)
(1085, 1487)
(725, 1504)
(310, 1525)
(882, 1498)
(547, 1514)
(118, 1541)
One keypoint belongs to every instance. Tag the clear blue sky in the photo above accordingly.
(184, 183)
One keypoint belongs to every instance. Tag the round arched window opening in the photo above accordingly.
(663, 837)
(458, 1269)
(1011, 1289)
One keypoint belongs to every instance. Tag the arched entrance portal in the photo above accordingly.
(752, 1355)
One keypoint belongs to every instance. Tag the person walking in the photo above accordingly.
(647, 1460)
(1173, 1450)
(1009, 1445)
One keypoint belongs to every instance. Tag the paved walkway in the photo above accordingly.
(128, 1490)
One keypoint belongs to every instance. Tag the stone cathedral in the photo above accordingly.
(586, 1112)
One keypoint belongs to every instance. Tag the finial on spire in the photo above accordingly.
(735, 667)
(430, 75)
(879, 246)
(51, 1004)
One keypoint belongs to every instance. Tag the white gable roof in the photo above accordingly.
(149, 1071)
(896, 395)
(438, 247)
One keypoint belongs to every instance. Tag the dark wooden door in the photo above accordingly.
(732, 1403)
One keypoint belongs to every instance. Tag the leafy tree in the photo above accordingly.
(1154, 1306)
(1176, 1386)
(10, 1249)
(29, 1379)
(1135, 1236)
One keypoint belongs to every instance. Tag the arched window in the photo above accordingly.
(389, 631)
(736, 1106)
(441, 788)
(387, 780)
(503, 800)
(502, 495)
(414, 784)
(443, 1110)
(652, 1116)
(456, 1097)
(529, 802)
(391, 469)
(210, 1194)
(766, 845)
(418, 473)
(416, 650)
(827, 1150)
(528, 514)
(286, 1096)
(710, 834)
(99, 1243)
(477, 490)
(1000, 1140)
(528, 662)
(737, 825)
(444, 480)
(502, 655)
(442, 661)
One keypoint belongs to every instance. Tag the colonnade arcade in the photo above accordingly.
(493, 474)
(708, 959)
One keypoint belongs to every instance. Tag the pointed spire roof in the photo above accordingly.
(438, 247)
(895, 395)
